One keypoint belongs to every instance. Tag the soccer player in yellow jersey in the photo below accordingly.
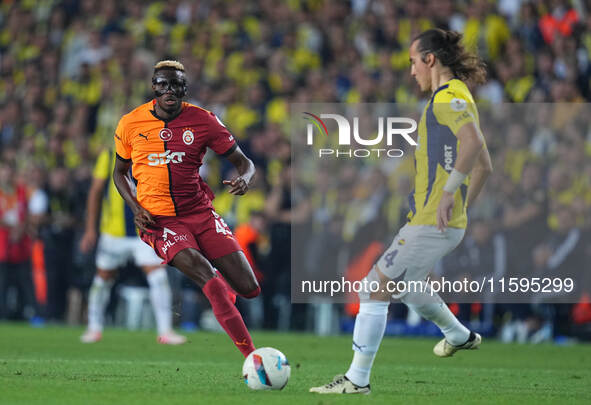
(117, 244)
(452, 164)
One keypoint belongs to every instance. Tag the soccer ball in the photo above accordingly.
(266, 369)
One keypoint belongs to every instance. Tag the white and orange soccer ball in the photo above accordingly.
(266, 369)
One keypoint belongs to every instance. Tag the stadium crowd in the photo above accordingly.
(70, 69)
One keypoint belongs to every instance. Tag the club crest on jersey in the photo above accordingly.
(188, 137)
(458, 104)
(165, 134)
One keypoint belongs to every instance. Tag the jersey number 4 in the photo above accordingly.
(220, 225)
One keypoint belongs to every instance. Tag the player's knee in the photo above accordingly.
(248, 286)
(252, 291)
(374, 287)
(106, 275)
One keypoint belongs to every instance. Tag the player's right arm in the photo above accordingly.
(93, 202)
(142, 218)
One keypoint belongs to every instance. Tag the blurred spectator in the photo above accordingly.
(562, 254)
(57, 234)
(524, 216)
(16, 287)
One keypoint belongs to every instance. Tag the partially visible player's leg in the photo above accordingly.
(191, 262)
(370, 325)
(434, 245)
(431, 307)
(161, 300)
(160, 294)
(368, 332)
(109, 256)
(98, 298)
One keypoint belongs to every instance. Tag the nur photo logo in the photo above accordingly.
(349, 137)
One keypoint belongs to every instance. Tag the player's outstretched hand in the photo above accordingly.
(143, 220)
(444, 210)
(238, 186)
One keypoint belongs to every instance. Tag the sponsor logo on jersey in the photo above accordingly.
(165, 134)
(167, 232)
(448, 157)
(188, 137)
(143, 136)
(174, 238)
(165, 158)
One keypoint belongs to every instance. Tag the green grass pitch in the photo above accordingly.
(50, 366)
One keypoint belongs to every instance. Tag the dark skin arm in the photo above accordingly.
(245, 167)
(142, 218)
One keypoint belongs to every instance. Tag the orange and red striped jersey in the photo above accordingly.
(166, 156)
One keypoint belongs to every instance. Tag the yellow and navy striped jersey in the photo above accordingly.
(116, 216)
(450, 107)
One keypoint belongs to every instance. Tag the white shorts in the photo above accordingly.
(113, 252)
(415, 251)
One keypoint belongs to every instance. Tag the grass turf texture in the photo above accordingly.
(50, 366)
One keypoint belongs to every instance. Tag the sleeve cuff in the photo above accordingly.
(122, 158)
(230, 151)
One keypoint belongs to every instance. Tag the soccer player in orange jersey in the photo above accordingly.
(164, 142)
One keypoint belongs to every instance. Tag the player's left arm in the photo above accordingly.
(471, 145)
(223, 143)
(245, 167)
(480, 173)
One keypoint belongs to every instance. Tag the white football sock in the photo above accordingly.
(431, 307)
(161, 299)
(98, 298)
(370, 325)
